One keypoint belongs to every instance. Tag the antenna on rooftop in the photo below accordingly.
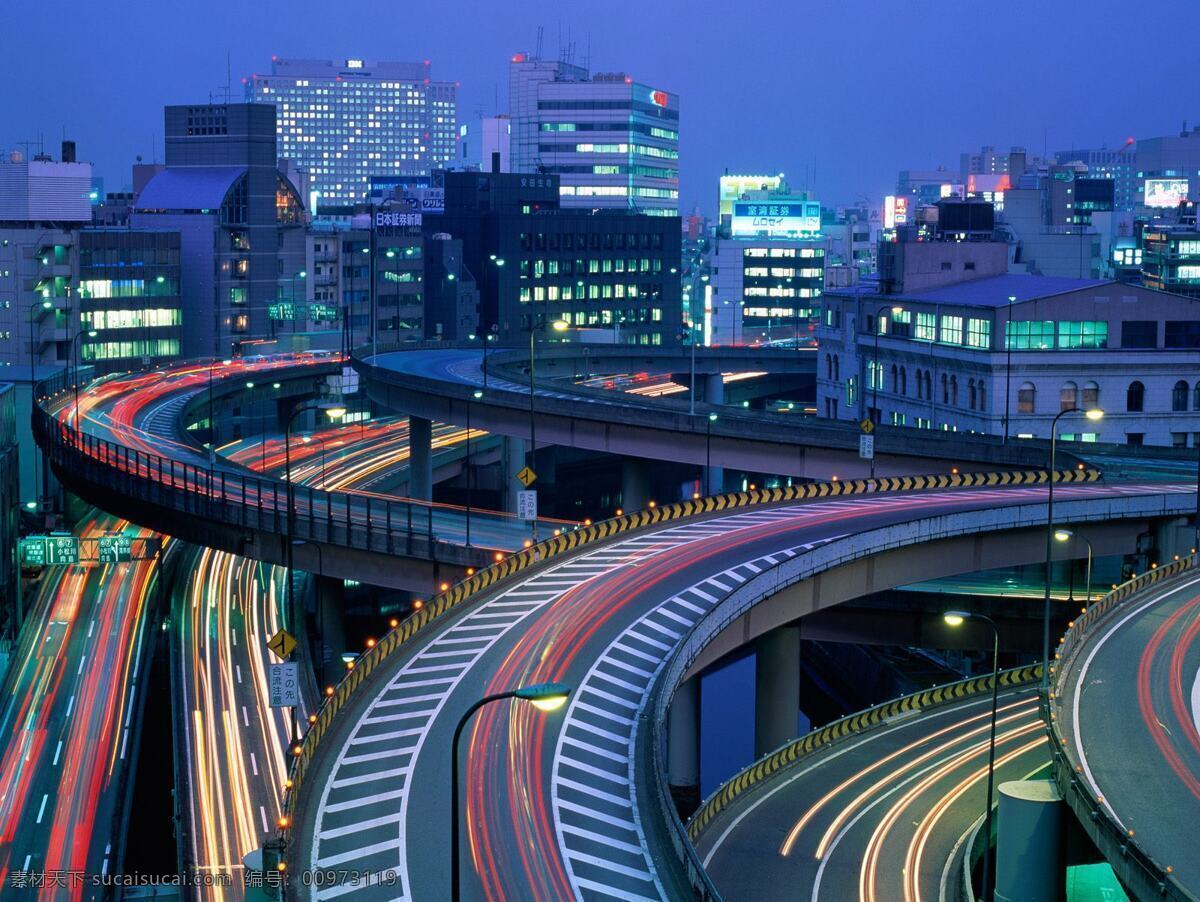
(537, 53)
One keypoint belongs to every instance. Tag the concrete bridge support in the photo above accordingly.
(635, 483)
(1029, 851)
(776, 688)
(714, 389)
(511, 462)
(329, 636)
(683, 747)
(420, 437)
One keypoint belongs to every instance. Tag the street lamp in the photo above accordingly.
(877, 375)
(334, 412)
(955, 619)
(1094, 415)
(212, 429)
(543, 696)
(44, 305)
(321, 443)
(76, 345)
(477, 395)
(712, 418)
(1008, 343)
(557, 326)
(1065, 535)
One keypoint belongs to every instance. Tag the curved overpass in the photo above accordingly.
(878, 801)
(1134, 779)
(570, 805)
(129, 460)
(439, 383)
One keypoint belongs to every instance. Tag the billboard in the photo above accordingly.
(779, 219)
(1165, 192)
(734, 186)
(895, 211)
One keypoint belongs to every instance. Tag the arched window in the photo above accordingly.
(928, 386)
(971, 396)
(1179, 396)
(945, 389)
(954, 390)
(1091, 396)
(895, 378)
(1026, 398)
(982, 396)
(904, 386)
(837, 370)
(1196, 397)
(1068, 396)
(1135, 397)
(920, 384)
(828, 367)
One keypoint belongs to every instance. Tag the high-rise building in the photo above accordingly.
(1118, 165)
(484, 144)
(347, 120)
(613, 142)
(241, 222)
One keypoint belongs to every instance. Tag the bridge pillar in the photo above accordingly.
(635, 483)
(683, 747)
(1029, 853)
(776, 688)
(420, 458)
(511, 462)
(1172, 537)
(714, 389)
(329, 638)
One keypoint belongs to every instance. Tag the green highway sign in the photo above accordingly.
(62, 550)
(33, 551)
(114, 549)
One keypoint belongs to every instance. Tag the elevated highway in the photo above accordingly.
(1126, 727)
(577, 804)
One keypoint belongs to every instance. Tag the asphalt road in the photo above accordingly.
(1130, 711)
(549, 808)
(884, 815)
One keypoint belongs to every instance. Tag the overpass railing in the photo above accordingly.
(1136, 868)
(237, 498)
(847, 727)
(471, 589)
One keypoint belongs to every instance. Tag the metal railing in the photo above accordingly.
(1136, 868)
(239, 499)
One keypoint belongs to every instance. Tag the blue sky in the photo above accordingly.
(839, 95)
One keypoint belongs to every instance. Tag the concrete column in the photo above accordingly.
(635, 483)
(511, 461)
(1172, 537)
(683, 747)
(1029, 859)
(776, 688)
(714, 389)
(420, 458)
(329, 640)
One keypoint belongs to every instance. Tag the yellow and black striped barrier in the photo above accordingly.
(565, 542)
(771, 764)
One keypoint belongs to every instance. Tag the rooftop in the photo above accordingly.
(189, 188)
(993, 291)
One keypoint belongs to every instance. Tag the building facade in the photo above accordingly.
(347, 120)
(1170, 257)
(765, 291)
(613, 142)
(967, 356)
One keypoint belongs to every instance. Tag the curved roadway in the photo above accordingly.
(1130, 712)
(884, 815)
(551, 809)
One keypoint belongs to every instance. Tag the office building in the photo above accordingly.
(484, 144)
(344, 121)
(240, 219)
(612, 141)
(938, 357)
(768, 265)
(45, 190)
(613, 275)
(1118, 165)
(1170, 257)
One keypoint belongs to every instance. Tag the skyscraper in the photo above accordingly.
(347, 120)
(613, 142)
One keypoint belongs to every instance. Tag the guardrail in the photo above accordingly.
(474, 586)
(1139, 871)
(242, 499)
(846, 727)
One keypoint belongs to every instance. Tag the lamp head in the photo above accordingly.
(1062, 535)
(712, 417)
(955, 618)
(335, 412)
(545, 696)
(560, 325)
(1095, 414)
(477, 394)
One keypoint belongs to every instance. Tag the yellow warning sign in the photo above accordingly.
(527, 477)
(283, 644)
(867, 426)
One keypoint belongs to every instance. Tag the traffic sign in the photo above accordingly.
(62, 549)
(527, 505)
(114, 549)
(867, 426)
(33, 551)
(283, 644)
(866, 447)
(284, 684)
(527, 477)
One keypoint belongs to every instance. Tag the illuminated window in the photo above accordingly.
(979, 333)
(952, 329)
(926, 329)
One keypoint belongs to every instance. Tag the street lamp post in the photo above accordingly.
(543, 696)
(1008, 343)
(712, 418)
(557, 326)
(321, 444)
(477, 394)
(1065, 535)
(76, 345)
(877, 376)
(334, 412)
(956, 618)
(45, 305)
(1093, 415)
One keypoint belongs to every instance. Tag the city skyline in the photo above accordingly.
(820, 115)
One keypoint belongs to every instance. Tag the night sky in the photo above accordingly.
(838, 95)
